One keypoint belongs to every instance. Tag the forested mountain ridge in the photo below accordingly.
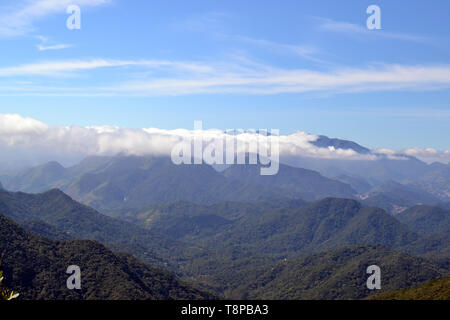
(229, 248)
(426, 219)
(438, 289)
(78, 221)
(301, 183)
(36, 268)
(341, 274)
(322, 225)
(186, 220)
(334, 274)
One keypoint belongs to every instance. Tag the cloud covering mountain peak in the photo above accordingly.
(32, 141)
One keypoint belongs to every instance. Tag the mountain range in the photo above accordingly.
(322, 225)
(122, 183)
(251, 239)
(117, 183)
(299, 234)
(431, 178)
(395, 197)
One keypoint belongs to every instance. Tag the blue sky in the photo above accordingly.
(290, 65)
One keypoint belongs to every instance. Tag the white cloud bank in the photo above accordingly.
(429, 153)
(19, 135)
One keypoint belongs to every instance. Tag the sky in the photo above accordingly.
(310, 66)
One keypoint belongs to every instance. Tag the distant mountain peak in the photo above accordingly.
(56, 192)
(53, 164)
(328, 201)
(325, 142)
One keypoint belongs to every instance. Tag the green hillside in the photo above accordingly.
(78, 221)
(36, 268)
(322, 225)
(334, 274)
(426, 219)
(188, 221)
(298, 182)
(438, 289)
(341, 274)
(238, 250)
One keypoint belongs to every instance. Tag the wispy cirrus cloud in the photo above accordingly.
(269, 80)
(239, 77)
(306, 52)
(56, 68)
(19, 19)
(211, 22)
(355, 30)
(53, 47)
(46, 45)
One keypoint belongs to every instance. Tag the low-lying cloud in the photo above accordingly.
(30, 141)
